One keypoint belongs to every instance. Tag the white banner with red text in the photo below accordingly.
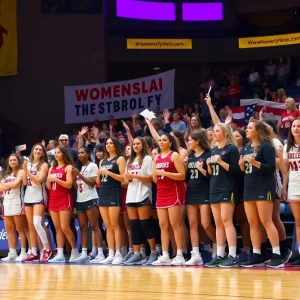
(87, 103)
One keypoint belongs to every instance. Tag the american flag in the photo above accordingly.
(249, 106)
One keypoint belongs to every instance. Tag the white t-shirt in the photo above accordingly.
(293, 156)
(84, 191)
(138, 191)
(278, 145)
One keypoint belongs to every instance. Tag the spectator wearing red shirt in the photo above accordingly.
(288, 116)
(234, 93)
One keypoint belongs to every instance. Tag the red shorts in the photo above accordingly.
(175, 197)
(123, 207)
(62, 203)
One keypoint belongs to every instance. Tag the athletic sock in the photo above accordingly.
(34, 250)
(60, 252)
(100, 251)
(166, 254)
(14, 251)
(221, 251)
(23, 250)
(276, 250)
(124, 250)
(84, 252)
(179, 252)
(143, 252)
(196, 250)
(256, 251)
(130, 250)
(158, 249)
(232, 251)
(111, 252)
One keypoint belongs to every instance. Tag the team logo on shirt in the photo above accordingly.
(113, 162)
(223, 152)
(162, 165)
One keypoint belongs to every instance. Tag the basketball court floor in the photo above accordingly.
(86, 282)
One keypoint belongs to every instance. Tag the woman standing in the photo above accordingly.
(87, 203)
(12, 185)
(59, 184)
(36, 201)
(169, 173)
(291, 156)
(224, 168)
(138, 200)
(110, 174)
(197, 196)
(258, 162)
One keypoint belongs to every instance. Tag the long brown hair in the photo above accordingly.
(67, 156)
(43, 159)
(265, 132)
(179, 135)
(291, 139)
(144, 152)
(117, 145)
(200, 136)
(9, 170)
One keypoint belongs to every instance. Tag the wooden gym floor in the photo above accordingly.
(86, 282)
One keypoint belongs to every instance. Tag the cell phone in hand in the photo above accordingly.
(21, 147)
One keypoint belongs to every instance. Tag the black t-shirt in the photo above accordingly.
(198, 184)
(222, 180)
(106, 181)
(261, 179)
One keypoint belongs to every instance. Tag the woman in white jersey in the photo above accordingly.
(291, 183)
(12, 184)
(138, 174)
(87, 203)
(35, 201)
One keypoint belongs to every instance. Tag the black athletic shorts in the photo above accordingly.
(145, 202)
(110, 197)
(87, 205)
(255, 195)
(42, 202)
(196, 200)
(224, 197)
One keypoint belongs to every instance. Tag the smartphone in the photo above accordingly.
(21, 147)
(209, 91)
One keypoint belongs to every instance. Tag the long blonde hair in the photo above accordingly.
(229, 138)
(265, 132)
(293, 103)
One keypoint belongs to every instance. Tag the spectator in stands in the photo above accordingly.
(288, 116)
(64, 141)
(159, 116)
(52, 144)
(282, 73)
(271, 68)
(281, 96)
(223, 115)
(177, 123)
(234, 93)
(267, 94)
(254, 77)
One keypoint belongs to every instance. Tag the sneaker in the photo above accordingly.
(196, 260)
(215, 262)
(81, 258)
(100, 257)
(57, 259)
(244, 256)
(257, 260)
(178, 261)
(108, 260)
(144, 260)
(31, 257)
(91, 256)
(21, 257)
(230, 262)
(276, 261)
(286, 255)
(10, 257)
(152, 258)
(74, 255)
(206, 256)
(162, 261)
(118, 259)
(135, 259)
(127, 256)
(296, 262)
(46, 254)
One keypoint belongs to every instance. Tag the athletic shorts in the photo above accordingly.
(87, 205)
(259, 196)
(145, 202)
(12, 208)
(62, 203)
(42, 202)
(199, 200)
(111, 197)
(224, 197)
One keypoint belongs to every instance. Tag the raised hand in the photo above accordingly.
(84, 130)
(228, 120)
(134, 115)
(208, 100)
(125, 125)
(95, 131)
(166, 115)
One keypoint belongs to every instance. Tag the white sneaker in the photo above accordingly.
(196, 260)
(100, 257)
(74, 255)
(178, 261)
(144, 260)
(118, 260)
(81, 258)
(214, 251)
(57, 259)
(162, 261)
(10, 257)
(21, 257)
(108, 260)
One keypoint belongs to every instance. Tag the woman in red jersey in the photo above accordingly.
(169, 173)
(59, 183)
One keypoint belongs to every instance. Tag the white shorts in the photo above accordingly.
(293, 193)
(13, 208)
